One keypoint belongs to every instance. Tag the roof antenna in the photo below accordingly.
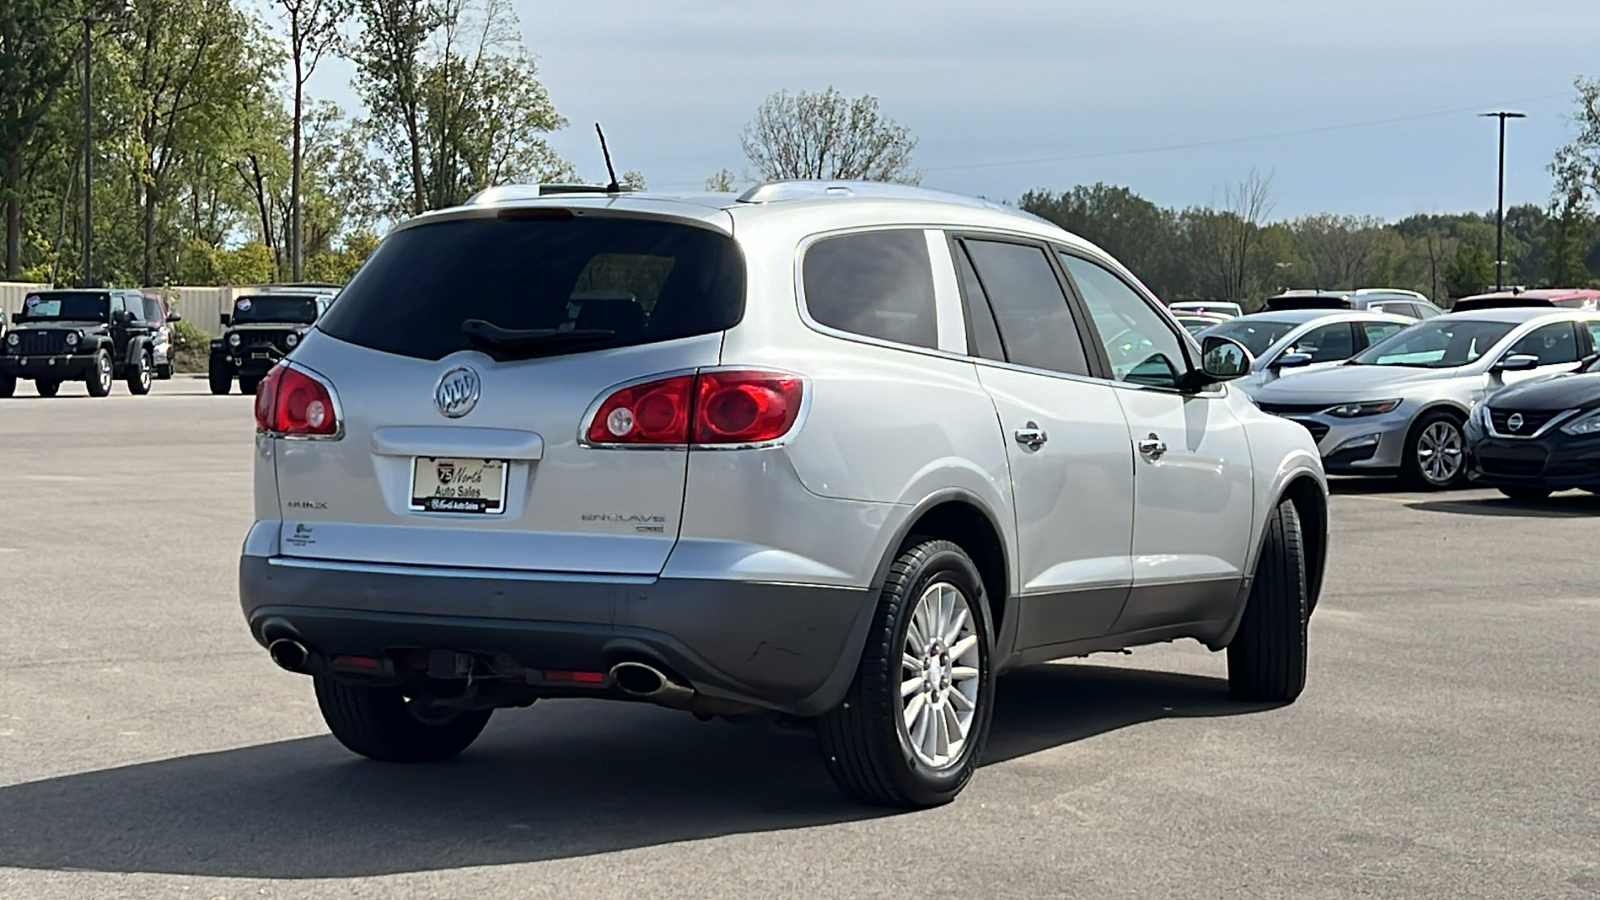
(613, 187)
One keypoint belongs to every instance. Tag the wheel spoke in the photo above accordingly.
(914, 710)
(941, 736)
(955, 730)
(911, 686)
(953, 632)
(961, 702)
(963, 673)
(964, 646)
(910, 661)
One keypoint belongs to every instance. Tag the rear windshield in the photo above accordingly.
(1255, 334)
(296, 310)
(613, 281)
(86, 306)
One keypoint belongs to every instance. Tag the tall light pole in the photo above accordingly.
(1500, 208)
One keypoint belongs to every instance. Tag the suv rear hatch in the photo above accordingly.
(469, 351)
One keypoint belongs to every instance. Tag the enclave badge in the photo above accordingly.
(457, 392)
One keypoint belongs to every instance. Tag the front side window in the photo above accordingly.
(1142, 348)
(876, 283)
(1553, 344)
(1035, 323)
(1329, 343)
(1442, 343)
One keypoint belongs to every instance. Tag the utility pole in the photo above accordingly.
(87, 276)
(1500, 208)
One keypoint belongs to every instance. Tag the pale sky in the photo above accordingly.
(1172, 98)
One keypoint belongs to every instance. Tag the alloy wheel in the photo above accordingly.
(1440, 452)
(103, 371)
(940, 676)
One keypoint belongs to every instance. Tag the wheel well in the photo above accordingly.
(964, 524)
(1312, 507)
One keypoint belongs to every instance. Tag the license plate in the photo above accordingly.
(260, 354)
(453, 485)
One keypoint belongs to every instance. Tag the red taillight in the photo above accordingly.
(717, 407)
(656, 412)
(291, 402)
(745, 407)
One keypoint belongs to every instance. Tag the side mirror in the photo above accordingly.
(1517, 362)
(122, 316)
(174, 317)
(1223, 359)
(226, 320)
(1292, 361)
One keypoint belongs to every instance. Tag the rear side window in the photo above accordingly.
(876, 283)
(1035, 322)
(616, 281)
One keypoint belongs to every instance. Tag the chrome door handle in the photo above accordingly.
(1031, 436)
(1152, 447)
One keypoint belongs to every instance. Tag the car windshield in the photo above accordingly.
(1441, 343)
(298, 310)
(87, 306)
(1255, 334)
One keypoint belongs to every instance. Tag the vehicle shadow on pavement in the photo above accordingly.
(565, 779)
(1560, 506)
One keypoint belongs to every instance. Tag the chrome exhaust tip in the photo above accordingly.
(646, 682)
(289, 654)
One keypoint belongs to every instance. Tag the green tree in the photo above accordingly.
(1134, 230)
(35, 64)
(828, 135)
(1471, 271)
(313, 33)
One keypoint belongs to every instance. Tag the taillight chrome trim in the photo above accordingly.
(338, 406)
(608, 392)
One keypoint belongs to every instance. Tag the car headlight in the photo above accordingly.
(72, 339)
(233, 339)
(1584, 424)
(1357, 410)
(13, 339)
(291, 340)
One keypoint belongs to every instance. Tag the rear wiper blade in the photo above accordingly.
(496, 337)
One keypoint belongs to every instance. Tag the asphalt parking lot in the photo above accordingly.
(1445, 745)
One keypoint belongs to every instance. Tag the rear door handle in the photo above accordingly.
(1031, 436)
(1152, 447)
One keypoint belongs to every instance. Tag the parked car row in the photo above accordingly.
(1472, 394)
(98, 335)
(91, 335)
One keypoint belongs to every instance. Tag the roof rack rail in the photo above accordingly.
(534, 191)
(819, 189)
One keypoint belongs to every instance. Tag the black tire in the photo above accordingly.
(248, 383)
(866, 745)
(221, 379)
(100, 376)
(1267, 658)
(164, 372)
(140, 372)
(8, 385)
(379, 724)
(47, 387)
(1415, 472)
(1526, 494)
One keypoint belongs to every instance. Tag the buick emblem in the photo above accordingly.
(457, 392)
(1515, 422)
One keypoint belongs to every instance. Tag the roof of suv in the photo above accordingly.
(781, 197)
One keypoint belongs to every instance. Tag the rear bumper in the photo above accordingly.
(62, 366)
(787, 647)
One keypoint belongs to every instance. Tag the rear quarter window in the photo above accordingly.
(642, 280)
(877, 284)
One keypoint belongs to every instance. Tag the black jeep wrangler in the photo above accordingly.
(91, 335)
(263, 327)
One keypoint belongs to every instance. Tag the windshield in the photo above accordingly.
(84, 305)
(298, 310)
(1441, 343)
(1255, 334)
(540, 285)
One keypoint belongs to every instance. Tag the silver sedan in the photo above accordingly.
(1299, 340)
(1398, 408)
